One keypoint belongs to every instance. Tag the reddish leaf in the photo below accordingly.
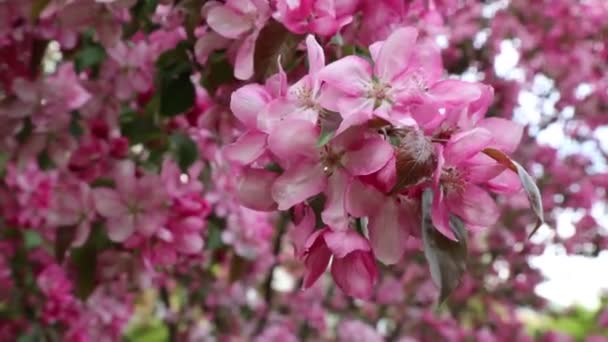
(528, 183)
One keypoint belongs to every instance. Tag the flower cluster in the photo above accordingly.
(369, 137)
(197, 166)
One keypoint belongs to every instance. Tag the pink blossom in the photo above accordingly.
(404, 73)
(72, 205)
(135, 205)
(460, 168)
(322, 17)
(241, 20)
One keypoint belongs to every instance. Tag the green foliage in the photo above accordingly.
(150, 331)
(184, 150)
(577, 322)
(139, 128)
(173, 70)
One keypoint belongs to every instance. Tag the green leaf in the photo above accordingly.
(214, 235)
(91, 55)
(75, 129)
(139, 128)
(446, 258)
(185, 150)
(177, 94)
(63, 241)
(4, 158)
(219, 72)
(84, 260)
(31, 239)
(324, 138)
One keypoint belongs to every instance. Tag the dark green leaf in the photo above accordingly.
(139, 128)
(25, 131)
(173, 72)
(84, 260)
(75, 129)
(103, 183)
(89, 56)
(219, 72)
(185, 151)
(63, 241)
(177, 94)
(446, 258)
(214, 235)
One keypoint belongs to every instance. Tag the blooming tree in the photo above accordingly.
(290, 170)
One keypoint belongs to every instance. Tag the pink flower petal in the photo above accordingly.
(190, 243)
(481, 168)
(249, 147)
(507, 182)
(334, 215)
(316, 56)
(317, 258)
(454, 92)
(243, 65)
(247, 102)
(293, 139)
(253, 189)
(475, 206)
(120, 228)
(387, 234)
(466, 144)
(395, 53)
(350, 74)
(374, 153)
(362, 199)
(341, 243)
(355, 274)
(227, 22)
(354, 111)
(301, 231)
(440, 215)
(150, 222)
(303, 180)
(108, 202)
(506, 134)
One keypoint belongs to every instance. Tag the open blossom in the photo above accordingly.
(72, 205)
(323, 17)
(302, 99)
(241, 20)
(404, 72)
(134, 205)
(352, 153)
